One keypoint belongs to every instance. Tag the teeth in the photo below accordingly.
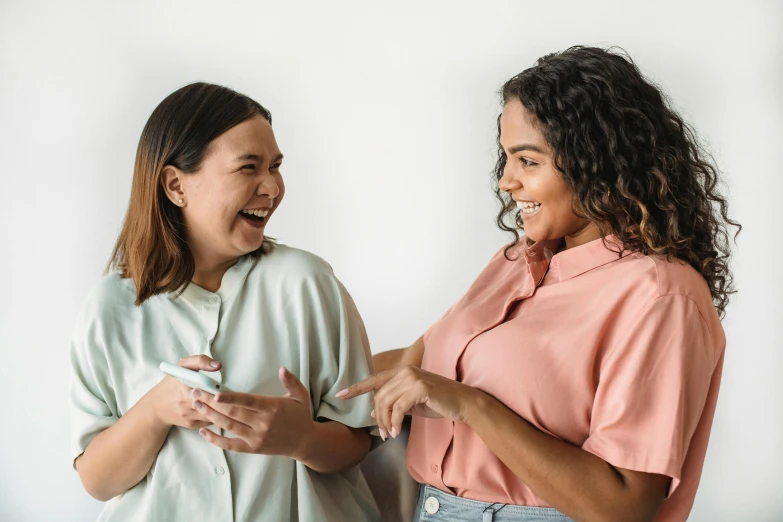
(257, 213)
(528, 207)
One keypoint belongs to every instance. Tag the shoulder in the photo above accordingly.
(672, 280)
(112, 292)
(660, 277)
(289, 266)
(111, 303)
(103, 311)
(294, 264)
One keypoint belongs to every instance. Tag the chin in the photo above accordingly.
(246, 247)
(531, 235)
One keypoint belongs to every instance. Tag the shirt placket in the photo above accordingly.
(216, 464)
(537, 263)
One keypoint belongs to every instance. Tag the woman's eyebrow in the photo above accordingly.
(525, 146)
(256, 157)
(245, 157)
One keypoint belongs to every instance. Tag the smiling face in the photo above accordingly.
(227, 203)
(531, 178)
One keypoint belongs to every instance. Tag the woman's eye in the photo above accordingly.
(527, 163)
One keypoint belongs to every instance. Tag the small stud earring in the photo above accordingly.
(180, 201)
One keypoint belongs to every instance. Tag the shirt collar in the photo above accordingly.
(229, 285)
(567, 264)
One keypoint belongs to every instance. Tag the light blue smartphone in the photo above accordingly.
(193, 379)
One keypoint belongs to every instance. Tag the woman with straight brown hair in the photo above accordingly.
(194, 280)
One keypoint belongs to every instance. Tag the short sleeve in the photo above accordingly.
(652, 390)
(90, 393)
(345, 357)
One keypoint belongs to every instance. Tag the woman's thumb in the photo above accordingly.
(296, 390)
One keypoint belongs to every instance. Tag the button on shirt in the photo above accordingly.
(286, 309)
(618, 355)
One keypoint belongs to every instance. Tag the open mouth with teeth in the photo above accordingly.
(528, 207)
(254, 215)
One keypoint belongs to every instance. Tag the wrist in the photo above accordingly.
(306, 442)
(475, 405)
(151, 410)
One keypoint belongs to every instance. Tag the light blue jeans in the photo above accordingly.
(434, 505)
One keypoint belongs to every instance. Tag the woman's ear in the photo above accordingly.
(171, 179)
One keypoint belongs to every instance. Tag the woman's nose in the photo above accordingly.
(268, 187)
(507, 183)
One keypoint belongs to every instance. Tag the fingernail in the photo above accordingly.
(215, 364)
(197, 405)
(372, 414)
(196, 393)
(384, 435)
(203, 432)
(394, 433)
(341, 394)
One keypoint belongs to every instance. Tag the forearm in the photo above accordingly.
(575, 482)
(120, 456)
(391, 359)
(332, 447)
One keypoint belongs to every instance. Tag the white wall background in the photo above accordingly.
(386, 117)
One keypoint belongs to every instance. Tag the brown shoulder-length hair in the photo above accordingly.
(635, 167)
(152, 249)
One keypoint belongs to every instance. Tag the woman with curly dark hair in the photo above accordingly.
(578, 376)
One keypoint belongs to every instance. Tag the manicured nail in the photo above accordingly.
(384, 435)
(372, 414)
(215, 364)
(196, 393)
(197, 405)
(203, 432)
(341, 394)
(394, 433)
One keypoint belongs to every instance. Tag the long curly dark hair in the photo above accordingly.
(636, 168)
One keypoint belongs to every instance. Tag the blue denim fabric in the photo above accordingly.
(457, 509)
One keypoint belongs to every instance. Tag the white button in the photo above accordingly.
(219, 470)
(432, 505)
(213, 299)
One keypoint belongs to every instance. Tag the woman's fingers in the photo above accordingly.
(225, 443)
(401, 408)
(244, 400)
(239, 413)
(200, 362)
(385, 398)
(369, 384)
(218, 419)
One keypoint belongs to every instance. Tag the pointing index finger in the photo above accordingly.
(369, 384)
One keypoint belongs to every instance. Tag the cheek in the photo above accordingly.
(557, 197)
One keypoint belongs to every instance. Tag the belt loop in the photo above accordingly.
(489, 512)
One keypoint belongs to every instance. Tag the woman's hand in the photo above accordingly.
(413, 391)
(265, 425)
(172, 402)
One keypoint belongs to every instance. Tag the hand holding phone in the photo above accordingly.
(193, 379)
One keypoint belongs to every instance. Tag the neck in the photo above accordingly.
(209, 271)
(584, 235)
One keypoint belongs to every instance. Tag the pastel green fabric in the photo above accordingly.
(286, 309)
